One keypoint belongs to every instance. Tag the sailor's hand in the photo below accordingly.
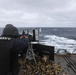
(24, 37)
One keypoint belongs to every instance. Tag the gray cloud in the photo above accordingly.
(53, 13)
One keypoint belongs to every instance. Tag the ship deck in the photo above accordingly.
(68, 63)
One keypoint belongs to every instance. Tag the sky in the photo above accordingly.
(38, 13)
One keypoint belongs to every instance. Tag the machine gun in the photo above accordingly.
(32, 39)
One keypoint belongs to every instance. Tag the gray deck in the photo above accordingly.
(59, 59)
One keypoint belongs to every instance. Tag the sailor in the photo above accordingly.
(11, 48)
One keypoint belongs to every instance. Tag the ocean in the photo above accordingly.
(61, 38)
(61, 32)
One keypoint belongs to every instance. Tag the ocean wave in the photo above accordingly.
(60, 43)
(55, 29)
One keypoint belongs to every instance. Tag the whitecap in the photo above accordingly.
(60, 43)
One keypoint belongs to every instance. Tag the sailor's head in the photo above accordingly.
(10, 30)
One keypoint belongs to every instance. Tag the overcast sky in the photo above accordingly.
(38, 13)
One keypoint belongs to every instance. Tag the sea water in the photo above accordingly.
(60, 38)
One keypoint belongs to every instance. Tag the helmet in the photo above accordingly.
(10, 30)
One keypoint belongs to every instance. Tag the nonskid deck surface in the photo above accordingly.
(68, 63)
